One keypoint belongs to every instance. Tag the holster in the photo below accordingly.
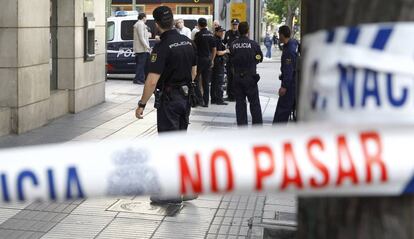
(158, 95)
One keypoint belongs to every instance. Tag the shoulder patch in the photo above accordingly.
(258, 57)
(153, 57)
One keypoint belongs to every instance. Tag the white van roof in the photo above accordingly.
(150, 17)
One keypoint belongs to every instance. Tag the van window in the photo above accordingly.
(191, 23)
(152, 28)
(110, 33)
(127, 29)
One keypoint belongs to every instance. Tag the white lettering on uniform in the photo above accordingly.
(242, 45)
(183, 43)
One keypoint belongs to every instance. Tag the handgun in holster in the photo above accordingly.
(158, 95)
(185, 90)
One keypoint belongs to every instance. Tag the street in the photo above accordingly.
(228, 216)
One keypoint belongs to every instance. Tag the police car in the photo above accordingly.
(120, 36)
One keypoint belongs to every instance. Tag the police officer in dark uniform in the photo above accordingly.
(217, 77)
(286, 102)
(245, 55)
(229, 37)
(206, 52)
(172, 69)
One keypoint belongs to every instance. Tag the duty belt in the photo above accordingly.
(245, 72)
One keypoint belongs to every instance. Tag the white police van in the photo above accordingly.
(120, 35)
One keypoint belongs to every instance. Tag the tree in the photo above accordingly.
(271, 19)
(355, 217)
(284, 8)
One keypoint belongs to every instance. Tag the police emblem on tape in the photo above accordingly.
(153, 57)
(132, 174)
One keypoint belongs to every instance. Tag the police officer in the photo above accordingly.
(229, 37)
(286, 102)
(206, 52)
(172, 68)
(217, 77)
(245, 55)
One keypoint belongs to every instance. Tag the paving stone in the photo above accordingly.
(78, 226)
(7, 213)
(244, 231)
(224, 205)
(123, 228)
(214, 229)
(280, 208)
(227, 221)
(234, 230)
(221, 212)
(211, 236)
(181, 230)
(230, 213)
(269, 214)
(218, 220)
(239, 213)
(224, 230)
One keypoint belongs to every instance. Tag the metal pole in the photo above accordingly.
(134, 5)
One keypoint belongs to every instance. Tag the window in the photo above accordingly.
(199, 10)
(110, 31)
(190, 23)
(118, 7)
(127, 29)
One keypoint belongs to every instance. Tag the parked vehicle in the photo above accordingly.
(120, 35)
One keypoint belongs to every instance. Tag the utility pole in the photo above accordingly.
(134, 5)
(356, 217)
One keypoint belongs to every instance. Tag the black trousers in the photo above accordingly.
(174, 112)
(203, 77)
(229, 73)
(217, 81)
(246, 87)
(285, 106)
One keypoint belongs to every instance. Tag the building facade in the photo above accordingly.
(196, 7)
(52, 60)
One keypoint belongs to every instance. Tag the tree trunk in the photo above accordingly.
(289, 16)
(363, 217)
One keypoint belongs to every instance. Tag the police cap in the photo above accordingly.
(163, 14)
(235, 21)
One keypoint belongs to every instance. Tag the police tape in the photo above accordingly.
(360, 70)
(311, 159)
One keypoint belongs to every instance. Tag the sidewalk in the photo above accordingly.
(230, 216)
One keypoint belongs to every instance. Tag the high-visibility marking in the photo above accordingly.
(353, 34)
(382, 38)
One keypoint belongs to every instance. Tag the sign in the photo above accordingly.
(239, 11)
(364, 71)
(305, 160)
